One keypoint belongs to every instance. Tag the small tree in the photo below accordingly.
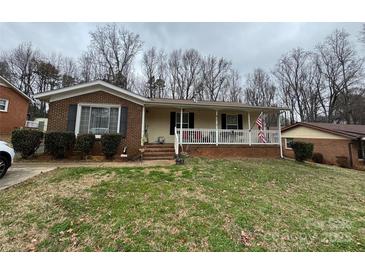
(110, 143)
(302, 151)
(85, 143)
(26, 141)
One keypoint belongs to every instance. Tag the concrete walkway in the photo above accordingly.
(24, 170)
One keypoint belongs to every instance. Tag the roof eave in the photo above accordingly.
(16, 89)
(214, 107)
(351, 137)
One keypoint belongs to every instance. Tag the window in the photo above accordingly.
(4, 105)
(288, 143)
(98, 120)
(232, 121)
(361, 150)
(185, 123)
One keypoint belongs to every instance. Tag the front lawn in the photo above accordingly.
(205, 205)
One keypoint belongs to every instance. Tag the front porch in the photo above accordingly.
(208, 128)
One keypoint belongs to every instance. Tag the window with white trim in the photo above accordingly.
(185, 122)
(289, 143)
(99, 120)
(231, 121)
(4, 103)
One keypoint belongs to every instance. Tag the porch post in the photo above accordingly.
(181, 123)
(279, 129)
(249, 128)
(143, 126)
(216, 127)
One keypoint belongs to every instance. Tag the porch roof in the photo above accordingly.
(85, 88)
(218, 105)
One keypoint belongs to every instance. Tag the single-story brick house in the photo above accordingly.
(333, 141)
(13, 108)
(197, 127)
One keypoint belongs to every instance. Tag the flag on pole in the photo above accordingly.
(261, 134)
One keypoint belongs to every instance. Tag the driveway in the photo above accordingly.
(22, 171)
(18, 174)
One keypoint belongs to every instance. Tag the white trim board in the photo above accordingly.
(85, 88)
(78, 114)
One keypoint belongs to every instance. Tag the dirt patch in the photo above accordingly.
(147, 171)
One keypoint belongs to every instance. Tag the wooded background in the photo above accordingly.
(322, 84)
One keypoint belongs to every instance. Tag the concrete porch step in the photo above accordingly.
(159, 145)
(159, 149)
(158, 158)
(158, 153)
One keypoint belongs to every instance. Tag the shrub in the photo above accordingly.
(109, 144)
(302, 151)
(26, 141)
(85, 143)
(317, 158)
(58, 143)
(342, 161)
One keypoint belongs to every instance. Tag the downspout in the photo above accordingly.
(143, 126)
(279, 132)
(350, 154)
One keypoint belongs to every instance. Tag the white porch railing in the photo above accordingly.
(225, 136)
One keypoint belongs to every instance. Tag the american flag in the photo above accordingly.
(261, 134)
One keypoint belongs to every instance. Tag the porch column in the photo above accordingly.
(279, 129)
(249, 128)
(181, 124)
(143, 125)
(216, 127)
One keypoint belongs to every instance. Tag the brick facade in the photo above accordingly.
(58, 110)
(233, 151)
(330, 149)
(16, 115)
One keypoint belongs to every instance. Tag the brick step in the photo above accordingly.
(158, 157)
(159, 153)
(158, 149)
(159, 146)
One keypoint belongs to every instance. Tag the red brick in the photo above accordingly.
(233, 151)
(330, 149)
(16, 115)
(58, 111)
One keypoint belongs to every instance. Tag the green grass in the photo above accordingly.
(205, 205)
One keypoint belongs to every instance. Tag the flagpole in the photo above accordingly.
(256, 120)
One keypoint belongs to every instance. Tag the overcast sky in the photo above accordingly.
(247, 45)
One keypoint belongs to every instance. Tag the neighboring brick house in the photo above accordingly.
(335, 142)
(162, 127)
(13, 108)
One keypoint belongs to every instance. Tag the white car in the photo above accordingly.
(6, 157)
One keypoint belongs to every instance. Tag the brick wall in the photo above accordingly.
(233, 151)
(17, 112)
(58, 110)
(330, 149)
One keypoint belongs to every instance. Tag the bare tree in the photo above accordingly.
(21, 64)
(343, 72)
(149, 68)
(292, 75)
(260, 89)
(234, 91)
(85, 64)
(184, 68)
(161, 74)
(114, 48)
(69, 72)
(215, 77)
